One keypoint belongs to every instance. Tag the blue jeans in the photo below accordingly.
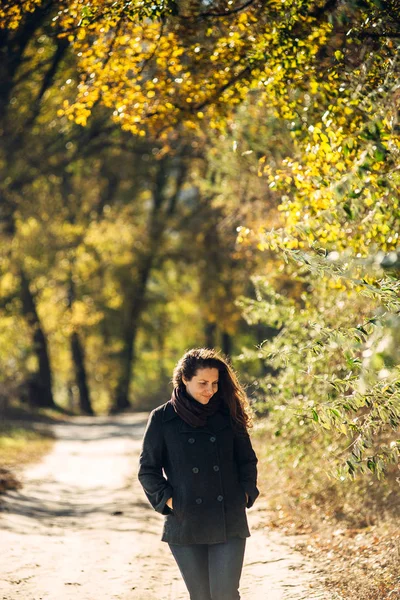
(211, 571)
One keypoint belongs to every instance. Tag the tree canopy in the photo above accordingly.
(140, 137)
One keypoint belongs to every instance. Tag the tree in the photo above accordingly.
(338, 195)
(162, 69)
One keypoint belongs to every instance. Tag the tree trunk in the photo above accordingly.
(13, 44)
(127, 356)
(162, 210)
(77, 350)
(210, 330)
(226, 343)
(78, 358)
(40, 389)
(121, 401)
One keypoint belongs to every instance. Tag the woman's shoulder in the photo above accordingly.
(164, 412)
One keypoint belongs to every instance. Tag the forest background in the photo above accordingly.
(179, 174)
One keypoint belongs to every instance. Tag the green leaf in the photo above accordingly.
(348, 210)
(380, 154)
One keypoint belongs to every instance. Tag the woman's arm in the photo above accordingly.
(246, 461)
(156, 487)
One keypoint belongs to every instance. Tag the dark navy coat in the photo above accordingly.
(207, 471)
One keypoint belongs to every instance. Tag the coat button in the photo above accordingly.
(212, 438)
(220, 498)
(216, 468)
(191, 440)
(195, 470)
(199, 500)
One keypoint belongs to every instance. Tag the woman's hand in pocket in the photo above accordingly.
(170, 503)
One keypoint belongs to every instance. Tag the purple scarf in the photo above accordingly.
(192, 412)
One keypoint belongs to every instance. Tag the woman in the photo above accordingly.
(199, 439)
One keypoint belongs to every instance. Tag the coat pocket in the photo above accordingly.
(243, 497)
(176, 504)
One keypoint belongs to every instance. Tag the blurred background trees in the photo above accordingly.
(225, 174)
(116, 254)
(220, 173)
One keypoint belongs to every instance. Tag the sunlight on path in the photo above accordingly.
(81, 528)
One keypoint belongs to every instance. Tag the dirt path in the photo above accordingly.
(81, 529)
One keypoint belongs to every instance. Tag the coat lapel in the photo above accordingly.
(219, 421)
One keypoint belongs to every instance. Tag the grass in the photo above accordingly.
(20, 445)
(351, 528)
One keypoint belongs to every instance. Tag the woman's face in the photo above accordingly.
(203, 385)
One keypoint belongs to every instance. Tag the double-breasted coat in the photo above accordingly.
(207, 470)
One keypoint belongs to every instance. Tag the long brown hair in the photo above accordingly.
(229, 387)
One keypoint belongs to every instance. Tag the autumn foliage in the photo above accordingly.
(298, 99)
